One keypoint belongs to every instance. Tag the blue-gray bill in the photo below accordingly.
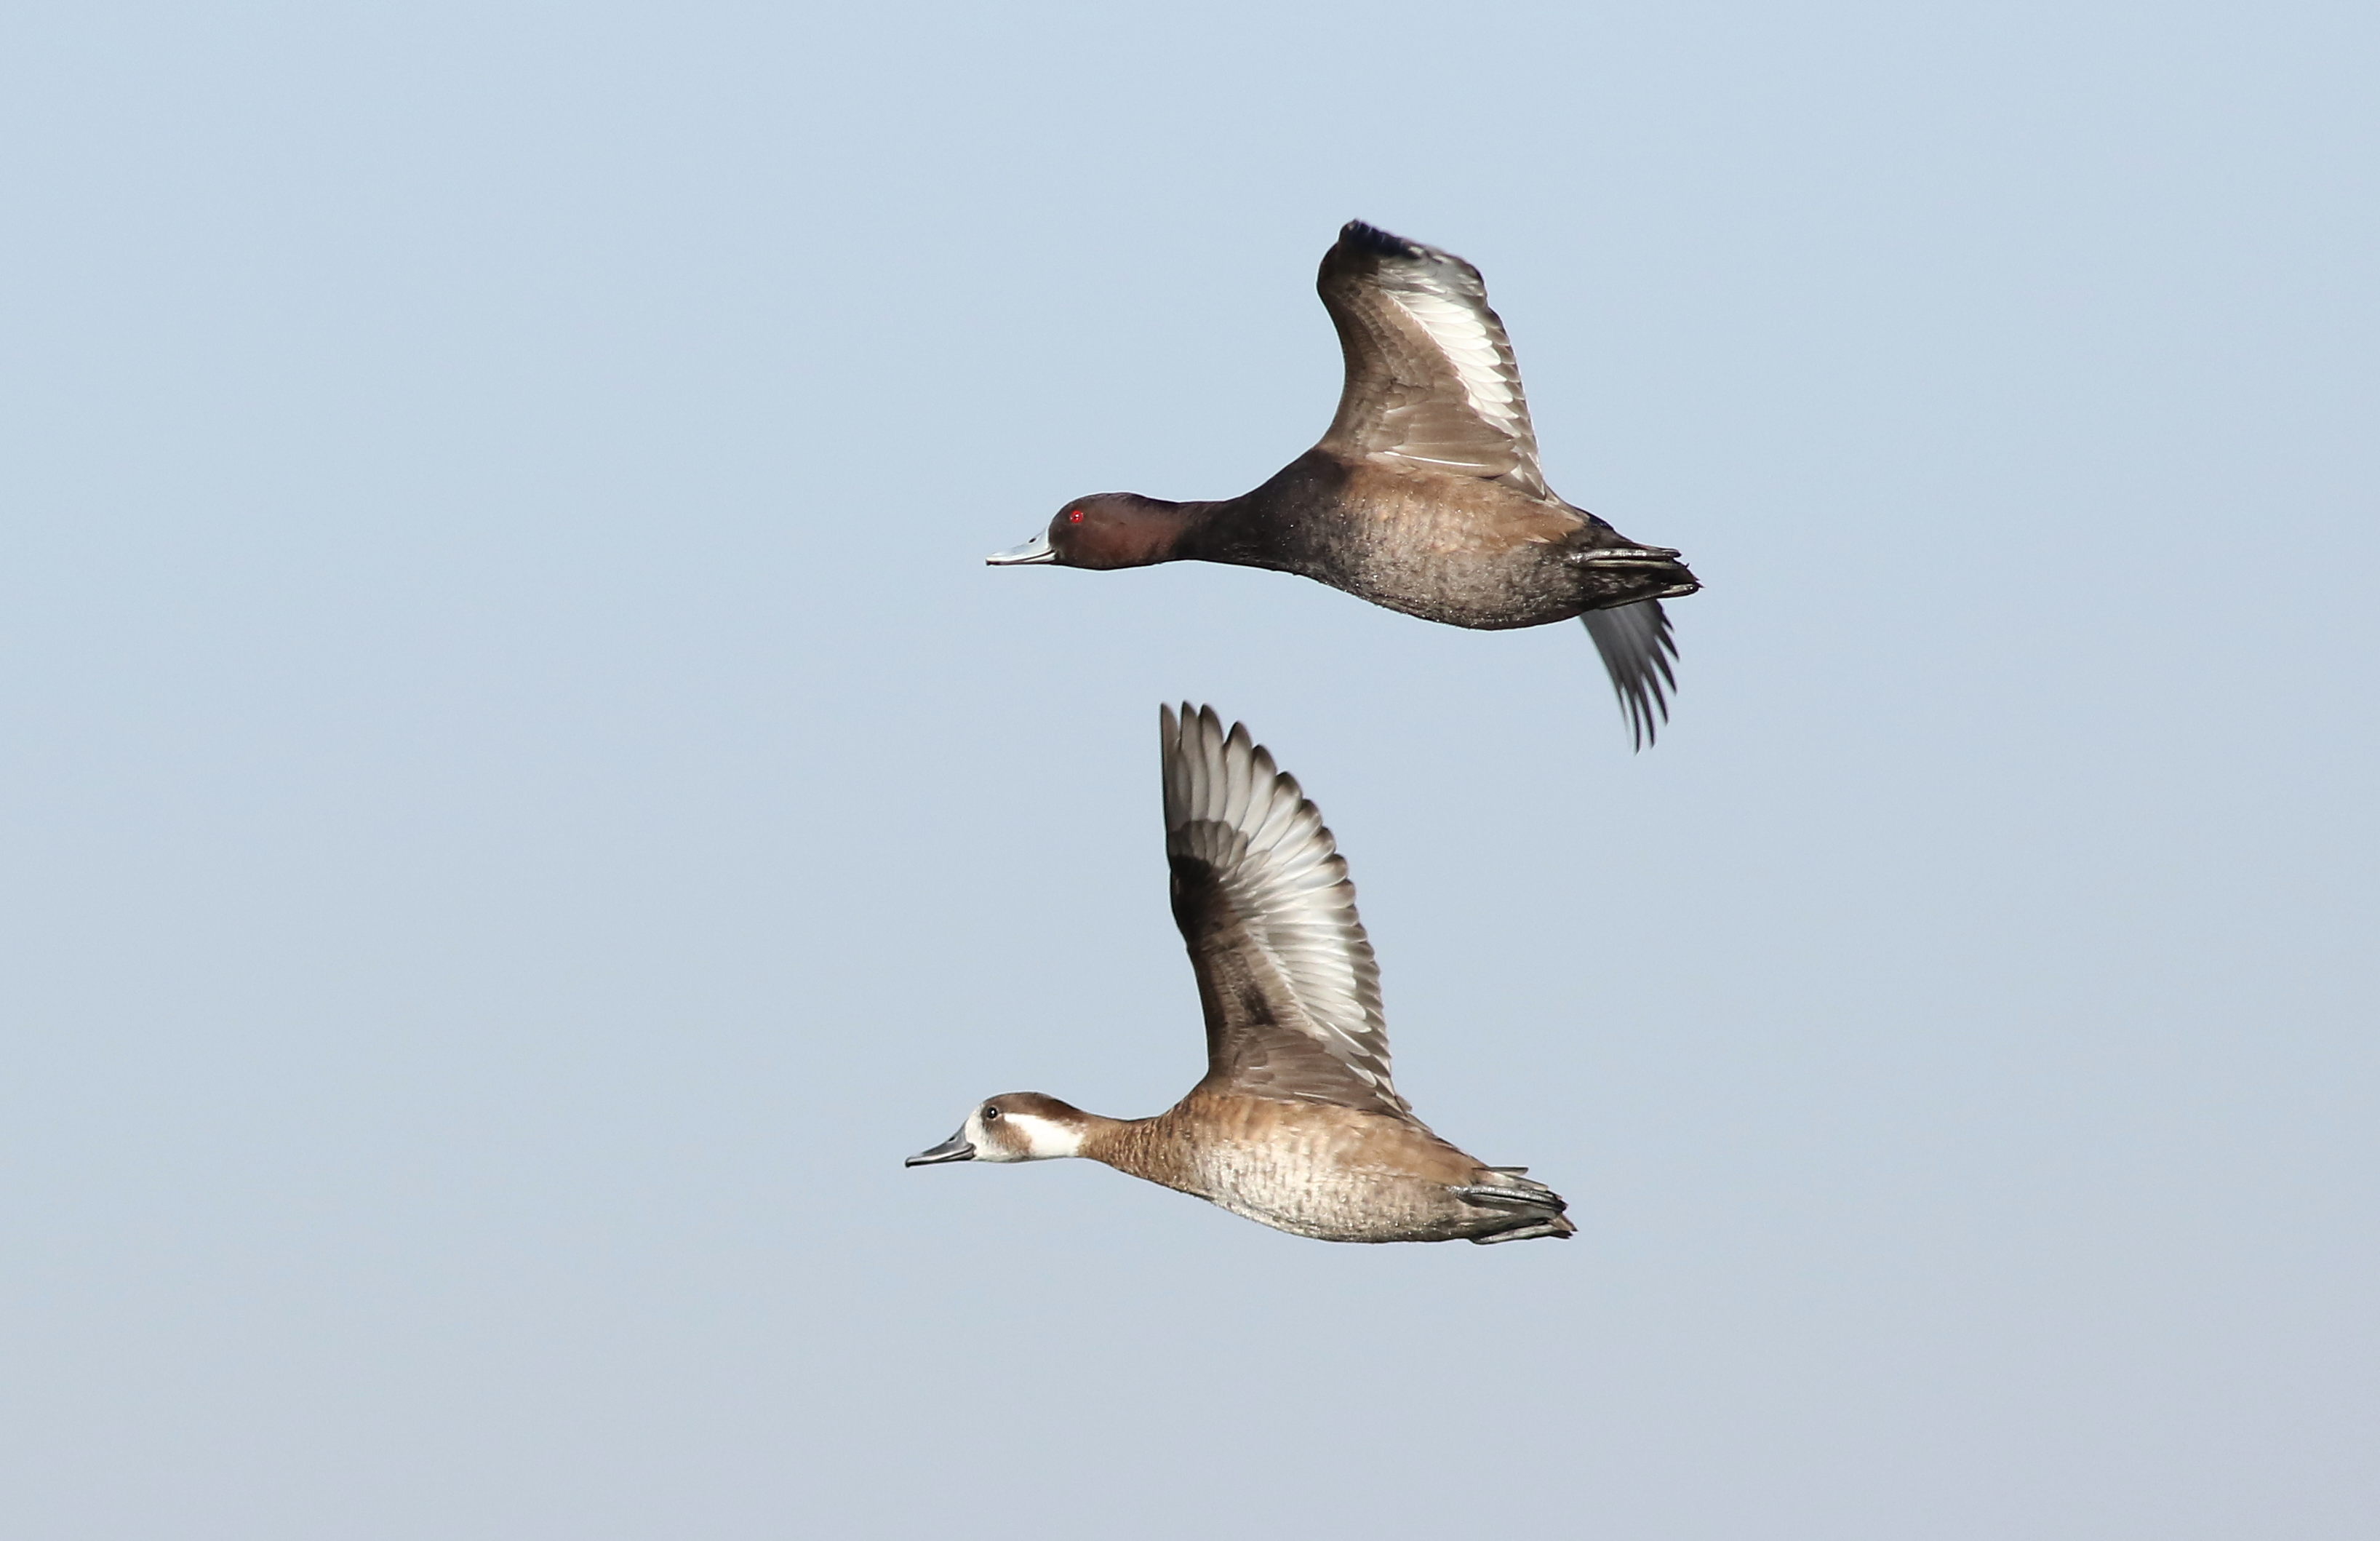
(955, 1148)
(1036, 550)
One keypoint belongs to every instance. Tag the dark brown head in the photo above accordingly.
(1105, 529)
(1014, 1126)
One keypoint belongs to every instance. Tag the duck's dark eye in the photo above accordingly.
(1075, 516)
(990, 1114)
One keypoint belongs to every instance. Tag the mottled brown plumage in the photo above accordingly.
(1297, 1123)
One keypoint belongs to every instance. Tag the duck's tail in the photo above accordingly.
(1522, 1209)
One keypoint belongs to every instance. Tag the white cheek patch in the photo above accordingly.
(986, 1147)
(1043, 1139)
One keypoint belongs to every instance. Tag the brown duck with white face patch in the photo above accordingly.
(1296, 1124)
(1424, 497)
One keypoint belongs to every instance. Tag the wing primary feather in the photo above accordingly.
(1263, 897)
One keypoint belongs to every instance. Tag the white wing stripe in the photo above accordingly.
(1458, 332)
(1227, 805)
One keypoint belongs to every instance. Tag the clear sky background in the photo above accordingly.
(519, 802)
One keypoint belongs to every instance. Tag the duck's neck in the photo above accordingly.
(1277, 525)
(1209, 531)
(1161, 531)
(1142, 1147)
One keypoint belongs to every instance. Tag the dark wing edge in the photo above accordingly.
(1290, 985)
(1636, 645)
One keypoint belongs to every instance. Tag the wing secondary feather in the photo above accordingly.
(1430, 374)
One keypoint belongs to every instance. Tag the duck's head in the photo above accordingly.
(1014, 1126)
(1105, 529)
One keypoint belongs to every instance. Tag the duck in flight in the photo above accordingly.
(1296, 1124)
(1424, 495)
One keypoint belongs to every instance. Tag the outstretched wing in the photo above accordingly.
(1636, 646)
(1430, 377)
(1291, 991)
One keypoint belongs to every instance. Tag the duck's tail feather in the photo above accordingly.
(1535, 1210)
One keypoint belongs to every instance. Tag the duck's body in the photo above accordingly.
(1335, 1174)
(1296, 1124)
(1424, 497)
(1462, 552)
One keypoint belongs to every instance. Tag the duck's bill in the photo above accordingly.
(955, 1148)
(1037, 549)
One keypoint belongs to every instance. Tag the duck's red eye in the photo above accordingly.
(1075, 516)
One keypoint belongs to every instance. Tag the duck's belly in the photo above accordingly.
(1370, 1214)
(1334, 1202)
(1447, 563)
(1485, 591)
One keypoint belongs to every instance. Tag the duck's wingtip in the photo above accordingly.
(1360, 236)
(1648, 708)
(1636, 644)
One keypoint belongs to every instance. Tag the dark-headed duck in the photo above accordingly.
(1297, 1125)
(1424, 495)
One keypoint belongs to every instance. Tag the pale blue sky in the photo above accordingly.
(520, 804)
